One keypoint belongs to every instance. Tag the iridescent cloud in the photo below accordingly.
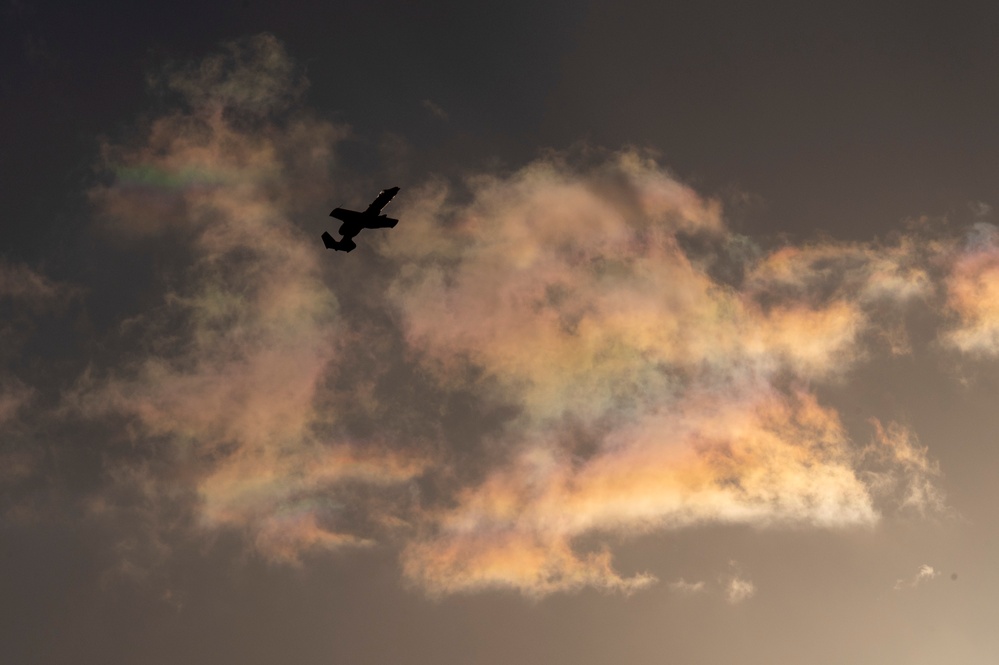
(655, 375)
(973, 293)
(576, 291)
(241, 344)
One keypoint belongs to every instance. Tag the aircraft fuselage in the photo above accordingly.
(355, 221)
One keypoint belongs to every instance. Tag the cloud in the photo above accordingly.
(598, 300)
(651, 394)
(25, 295)
(973, 294)
(766, 462)
(233, 158)
(738, 589)
(864, 273)
(897, 467)
(237, 354)
(979, 208)
(18, 281)
(924, 574)
(14, 395)
(253, 75)
(735, 586)
(434, 109)
(27, 299)
(544, 365)
(683, 587)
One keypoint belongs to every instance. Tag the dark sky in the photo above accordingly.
(684, 349)
(838, 116)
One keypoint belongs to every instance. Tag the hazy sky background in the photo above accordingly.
(685, 349)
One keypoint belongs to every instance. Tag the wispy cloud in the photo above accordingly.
(434, 109)
(243, 341)
(897, 467)
(735, 586)
(27, 296)
(924, 574)
(738, 589)
(18, 281)
(14, 394)
(683, 587)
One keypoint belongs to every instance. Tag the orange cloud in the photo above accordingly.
(973, 294)
(647, 393)
(764, 461)
(864, 273)
(574, 291)
(578, 293)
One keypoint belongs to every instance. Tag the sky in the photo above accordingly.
(685, 348)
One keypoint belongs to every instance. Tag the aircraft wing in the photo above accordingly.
(381, 222)
(347, 215)
(381, 201)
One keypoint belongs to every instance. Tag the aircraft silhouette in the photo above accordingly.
(354, 222)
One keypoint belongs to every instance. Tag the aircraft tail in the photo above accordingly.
(344, 245)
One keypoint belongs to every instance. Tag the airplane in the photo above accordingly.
(354, 222)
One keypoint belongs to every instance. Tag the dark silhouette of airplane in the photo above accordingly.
(354, 222)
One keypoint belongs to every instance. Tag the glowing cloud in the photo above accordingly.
(576, 292)
(973, 293)
(240, 346)
(767, 461)
(657, 370)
